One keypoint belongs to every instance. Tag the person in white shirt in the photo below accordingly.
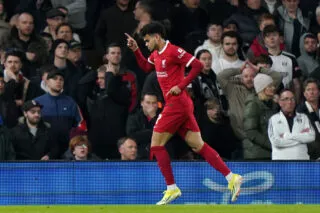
(230, 59)
(283, 62)
(213, 43)
(290, 131)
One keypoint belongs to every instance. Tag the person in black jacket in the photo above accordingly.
(140, 124)
(6, 148)
(108, 109)
(311, 107)
(31, 138)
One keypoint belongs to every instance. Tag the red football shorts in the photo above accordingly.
(177, 117)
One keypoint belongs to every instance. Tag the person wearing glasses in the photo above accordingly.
(289, 131)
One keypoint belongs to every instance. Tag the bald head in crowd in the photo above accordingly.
(247, 77)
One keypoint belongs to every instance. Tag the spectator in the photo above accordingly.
(220, 10)
(60, 111)
(47, 37)
(247, 19)
(113, 59)
(292, 24)
(140, 124)
(18, 89)
(60, 50)
(237, 84)
(187, 17)
(54, 18)
(213, 43)
(23, 37)
(308, 60)
(108, 108)
(127, 148)
(258, 47)
(311, 108)
(230, 59)
(113, 23)
(217, 132)
(283, 62)
(315, 23)
(151, 85)
(31, 138)
(289, 131)
(80, 149)
(6, 147)
(65, 31)
(206, 86)
(258, 109)
(76, 10)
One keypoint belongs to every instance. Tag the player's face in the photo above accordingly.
(151, 42)
(247, 77)
(311, 93)
(33, 115)
(206, 59)
(230, 46)
(310, 45)
(287, 102)
(128, 150)
(214, 33)
(114, 55)
(272, 40)
(13, 63)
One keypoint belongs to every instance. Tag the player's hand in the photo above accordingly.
(174, 91)
(131, 43)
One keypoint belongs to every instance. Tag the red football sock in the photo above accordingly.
(214, 159)
(164, 164)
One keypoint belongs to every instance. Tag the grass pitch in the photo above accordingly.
(164, 209)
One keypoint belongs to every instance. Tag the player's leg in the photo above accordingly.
(191, 133)
(166, 125)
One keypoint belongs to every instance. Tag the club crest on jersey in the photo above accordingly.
(163, 62)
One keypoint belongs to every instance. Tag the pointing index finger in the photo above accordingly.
(128, 36)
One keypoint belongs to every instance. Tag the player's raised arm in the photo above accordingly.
(143, 63)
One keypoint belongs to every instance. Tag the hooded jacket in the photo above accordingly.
(286, 24)
(307, 62)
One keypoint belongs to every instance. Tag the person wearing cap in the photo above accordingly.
(24, 38)
(60, 110)
(32, 138)
(258, 109)
(289, 131)
(54, 17)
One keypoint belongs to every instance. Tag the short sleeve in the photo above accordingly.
(182, 56)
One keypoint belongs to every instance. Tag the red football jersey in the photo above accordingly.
(170, 64)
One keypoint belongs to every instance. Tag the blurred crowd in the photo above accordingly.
(71, 89)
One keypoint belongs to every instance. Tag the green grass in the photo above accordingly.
(164, 209)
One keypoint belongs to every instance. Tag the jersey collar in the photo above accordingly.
(164, 48)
